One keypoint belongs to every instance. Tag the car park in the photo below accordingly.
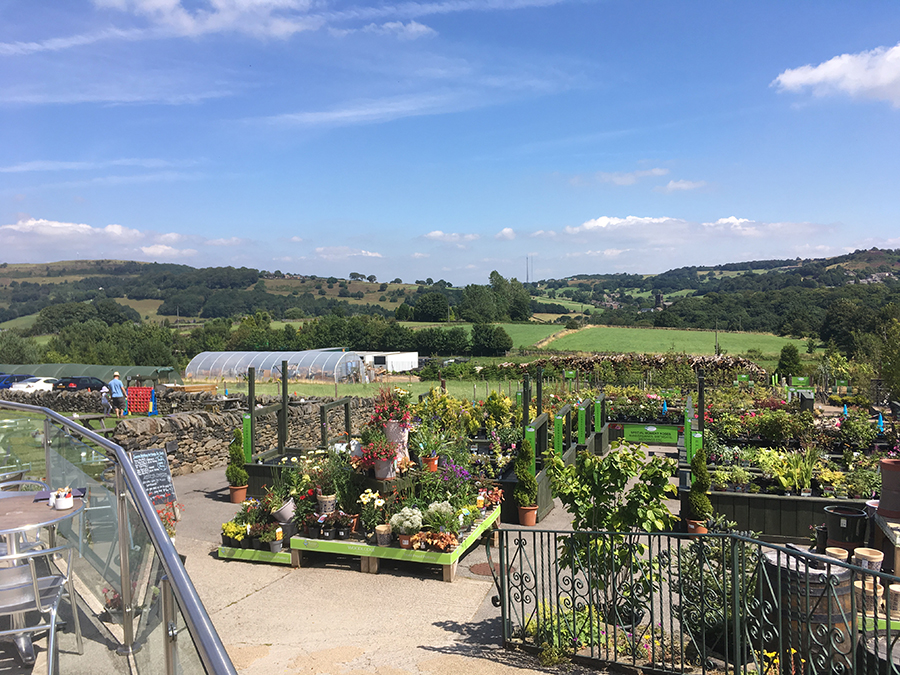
(34, 384)
(79, 383)
(8, 380)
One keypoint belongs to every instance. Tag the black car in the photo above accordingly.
(7, 380)
(79, 384)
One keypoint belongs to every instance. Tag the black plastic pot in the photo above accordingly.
(846, 527)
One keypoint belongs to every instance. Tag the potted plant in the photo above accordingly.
(343, 522)
(802, 465)
(371, 512)
(739, 477)
(329, 525)
(381, 454)
(235, 473)
(720, 479)
(699, 507)
(429, 441)
(406, 523)
(441, 517)
(232, 534)
(393, 416)
(270, 536)
(526, 491)
(313, 526)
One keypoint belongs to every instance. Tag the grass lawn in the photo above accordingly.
(21, 322)
(658, 341)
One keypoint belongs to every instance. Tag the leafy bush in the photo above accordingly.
(526, 490)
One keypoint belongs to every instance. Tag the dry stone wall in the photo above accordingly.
(197, 439)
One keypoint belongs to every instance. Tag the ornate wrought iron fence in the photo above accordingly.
(701, 604)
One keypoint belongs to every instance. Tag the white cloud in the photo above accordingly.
(604, 223)
(296, 240)
(52, 229)
(163, 251)
(680, 186)
(543, 233)
(605, 253)
(507, 233)
(58, 44)
(403, 31)
(625, 178)
(56, 165)
(231, 241)
(451, 237)
(873, 74)
(421, 255)
(342, 252)
(368, 111)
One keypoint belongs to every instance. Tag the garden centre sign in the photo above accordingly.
(651, 433)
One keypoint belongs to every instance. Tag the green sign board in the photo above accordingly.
(799, 381)
(743, 377)
(248, 454)
(651, 434)
(842, 383)
(570, 374)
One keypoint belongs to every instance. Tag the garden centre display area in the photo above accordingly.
(433, 476)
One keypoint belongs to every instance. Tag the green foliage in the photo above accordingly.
(789, 361)
(236, 475)
(15, 349)
(526, 490)
(236, 448)
(698, 502)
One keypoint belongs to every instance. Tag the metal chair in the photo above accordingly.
(25, 589)
(12, 488)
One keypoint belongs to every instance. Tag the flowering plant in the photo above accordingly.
(371, 512)
(380, 448)
(407, 521)
(169, 514)
(392, 405)
(112, 600)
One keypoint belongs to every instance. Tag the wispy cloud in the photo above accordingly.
(606, 223)
(873, 74)
(680, 186)
(451, 237)
(619, 177)
(57, 165)
(402, 31)
(369, 111)
(230, 241)
(343, 252)
(59, 44)
(163, 251)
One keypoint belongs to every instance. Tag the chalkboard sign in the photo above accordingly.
(152, 467)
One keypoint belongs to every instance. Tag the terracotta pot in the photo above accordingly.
(528, 516)
(405, 540)
(430, 463)
(696, 527)
(238, 493)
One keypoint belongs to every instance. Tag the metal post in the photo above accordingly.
(526, 402)
(47, 461)
(128, 646)
(323, 425)
(701, 399)
(540, 392)
(282, 427)
(582, 425)
(251, 407)
(170, 622)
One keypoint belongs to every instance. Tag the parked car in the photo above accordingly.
(79, 383)
(34, 384)
(8, 380)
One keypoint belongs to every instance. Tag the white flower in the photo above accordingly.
(379, 503)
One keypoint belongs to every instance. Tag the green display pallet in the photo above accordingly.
(370, 555)
(282, 558)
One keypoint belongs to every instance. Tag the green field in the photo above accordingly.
(658, 341)
(20, 322)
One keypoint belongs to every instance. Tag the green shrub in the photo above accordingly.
(526, 490)
(700, 506)
(236, 475)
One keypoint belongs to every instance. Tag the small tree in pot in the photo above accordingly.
(526, 490)
(699, 507)
(235, 473)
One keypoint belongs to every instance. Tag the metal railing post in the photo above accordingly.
(128, 646)
(47, 462)
(170, 624)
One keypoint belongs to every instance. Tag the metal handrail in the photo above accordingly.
(209, 646)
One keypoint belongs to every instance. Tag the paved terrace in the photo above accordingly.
(324, 618)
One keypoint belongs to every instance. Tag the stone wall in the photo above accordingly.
(197, 435)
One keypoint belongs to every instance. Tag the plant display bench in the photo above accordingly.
(283, 557)
(371, 555)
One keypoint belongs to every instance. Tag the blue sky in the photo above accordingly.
(447, 139)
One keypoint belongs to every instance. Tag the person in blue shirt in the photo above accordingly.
(117, 393)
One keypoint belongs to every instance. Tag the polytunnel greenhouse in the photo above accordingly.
(331, 365)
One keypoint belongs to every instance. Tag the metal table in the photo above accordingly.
(19, 514)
